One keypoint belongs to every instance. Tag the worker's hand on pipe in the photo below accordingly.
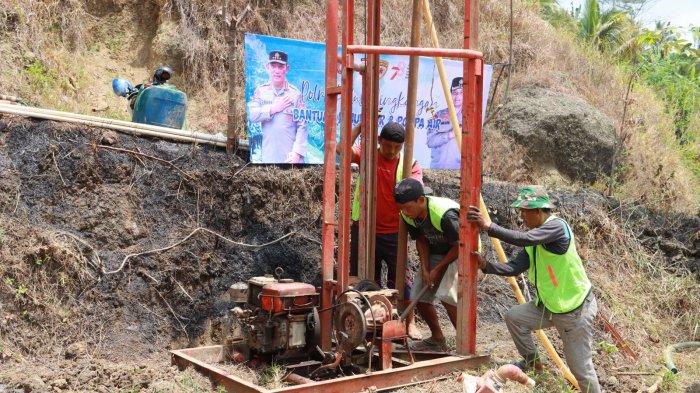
(480, 258)
(474, 215)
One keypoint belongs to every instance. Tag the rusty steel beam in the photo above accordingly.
(200, 358)
(409, 51)
(470, 180)
(329, 175)
(417, 373)
(466, 293)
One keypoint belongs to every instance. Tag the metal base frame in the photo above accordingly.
(204, 358)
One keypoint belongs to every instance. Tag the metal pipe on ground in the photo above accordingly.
(118, 125)
(296, 379)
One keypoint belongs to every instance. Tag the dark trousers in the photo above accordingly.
(386, 249)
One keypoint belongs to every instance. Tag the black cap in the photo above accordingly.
(409, 190)
(393, 131)
(456, 83)
(277, 56)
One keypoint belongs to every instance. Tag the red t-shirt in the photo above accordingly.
(387, 211)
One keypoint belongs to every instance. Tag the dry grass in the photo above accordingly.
(124, 40)
(651, 306)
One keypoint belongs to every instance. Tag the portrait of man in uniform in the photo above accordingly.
(444, 152)
(284, 140)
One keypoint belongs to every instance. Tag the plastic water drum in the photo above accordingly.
(163, 106)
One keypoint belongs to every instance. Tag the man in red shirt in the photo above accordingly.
(389, 173)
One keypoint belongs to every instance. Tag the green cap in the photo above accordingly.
(532, 197)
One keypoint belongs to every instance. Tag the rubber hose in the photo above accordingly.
(668, 353)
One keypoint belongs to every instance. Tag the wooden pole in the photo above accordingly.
(232, 39)
(456, 129)
(413, 71)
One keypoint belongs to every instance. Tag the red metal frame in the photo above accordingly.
(335, 281)
(202, 359)
(470, 171)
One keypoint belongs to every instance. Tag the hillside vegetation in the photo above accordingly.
(63, 55)
(71, 210)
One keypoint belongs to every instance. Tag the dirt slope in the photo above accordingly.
(75, 202)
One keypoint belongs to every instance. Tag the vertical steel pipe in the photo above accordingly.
(364, 160)
(346, 149)
(329, 173)
(371, 92)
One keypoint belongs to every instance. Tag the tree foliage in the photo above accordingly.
(659, 56)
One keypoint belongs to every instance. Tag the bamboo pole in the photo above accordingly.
(118, 125)
(495, 242)
(521, 299)
(456, 129)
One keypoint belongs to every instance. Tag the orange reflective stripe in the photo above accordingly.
(552, 276)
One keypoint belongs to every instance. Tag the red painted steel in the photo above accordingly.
(470, 176)
(346, 130)
(200, 358)
(414, 374)
(329, 174)
(408, 51)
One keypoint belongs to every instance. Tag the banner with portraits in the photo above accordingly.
(285, 85)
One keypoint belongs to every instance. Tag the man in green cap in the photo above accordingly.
(564, 296)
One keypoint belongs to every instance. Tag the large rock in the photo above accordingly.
(560, 131)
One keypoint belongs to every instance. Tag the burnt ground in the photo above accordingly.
(75, 203)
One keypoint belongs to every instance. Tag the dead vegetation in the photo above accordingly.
(103, 39)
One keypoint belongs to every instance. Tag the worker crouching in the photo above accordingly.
(564, 297)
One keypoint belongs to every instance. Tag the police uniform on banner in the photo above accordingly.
(280, 133)
(444, 152)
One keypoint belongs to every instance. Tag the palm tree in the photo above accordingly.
(610, 30)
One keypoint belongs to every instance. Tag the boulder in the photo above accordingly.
(561, 131)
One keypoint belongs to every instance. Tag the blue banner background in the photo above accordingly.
(307, 73)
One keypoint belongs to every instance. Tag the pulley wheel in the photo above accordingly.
(386, 304)
(350, 326)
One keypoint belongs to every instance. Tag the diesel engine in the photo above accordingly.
(274, 318)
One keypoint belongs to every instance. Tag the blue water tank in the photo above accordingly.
(163, 105)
